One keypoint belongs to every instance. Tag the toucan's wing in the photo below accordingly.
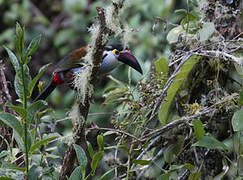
(72, 60)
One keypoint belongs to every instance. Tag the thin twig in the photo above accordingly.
(115, 130)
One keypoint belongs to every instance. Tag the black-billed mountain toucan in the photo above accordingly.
(112, 56)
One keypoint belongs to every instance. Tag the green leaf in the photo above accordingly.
(33, 109)
(18, 82)
(90, 149)
(175, 86)
(76, 174)
(13, 59)
(161, 66)
(12, 122)
(240, 101)
(189, 18)
(19, 140)
(34, 44)
(6, 178)
(34, 173)
(173, 35)
(195, 176)
(100, 141)
(181, 11)
(210, 143)
(165, 176)
(237, 121)
(96, 160)
(198, 129)
(177, 167)
(207, 31)
(37, 77)
(18, 109)
(142, 162)
(3, 154)
(18, 87)
(107, 174)
(107, 133)
(41, 142)
(82, 159)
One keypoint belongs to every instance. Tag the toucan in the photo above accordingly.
(113, 55)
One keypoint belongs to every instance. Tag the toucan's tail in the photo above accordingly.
(46, 91)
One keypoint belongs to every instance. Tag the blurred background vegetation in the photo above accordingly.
(64, 26)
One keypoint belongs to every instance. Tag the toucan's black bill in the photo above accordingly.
(127, 58)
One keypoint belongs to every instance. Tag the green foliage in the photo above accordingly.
(198, 129)
(82, 160)
(175, 86)
(211, 143)
(24, 85)
(123, 150)
(237, 121)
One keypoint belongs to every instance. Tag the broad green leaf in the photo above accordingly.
(172, 150)
(173, 89)
(198, 129)
(210, 143)
(18, 87)
(13, 59)
(37, 77)
(76, 174)
(82, 159)
(41, 142)
(177, 167)
(34, 172)
(18, 109)
(165, 176)
(90, 149)
(33, 109)
(189, 18)
(237, 121)
(107, 133)
(108, 175)
(142, 162)
(207, 31)
(100, 141)
(8, 165)
(173, 35)
(3, 154)
(240, 101)
(12, 122)
(96, 160)
(195, 176)
(181, 11)
(161, 66)
(34, 44)
(239, 67)
(19, 140)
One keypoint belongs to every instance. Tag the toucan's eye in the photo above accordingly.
(116, 52)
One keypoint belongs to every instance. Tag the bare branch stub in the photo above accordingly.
(79, 130)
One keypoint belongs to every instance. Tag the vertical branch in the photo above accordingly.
(96, 52)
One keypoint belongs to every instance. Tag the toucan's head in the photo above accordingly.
(114, 54)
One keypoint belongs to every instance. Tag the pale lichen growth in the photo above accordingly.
(112, 20)
(126, 36)
(82, 83)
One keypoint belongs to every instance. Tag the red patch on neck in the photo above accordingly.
(57, 79)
